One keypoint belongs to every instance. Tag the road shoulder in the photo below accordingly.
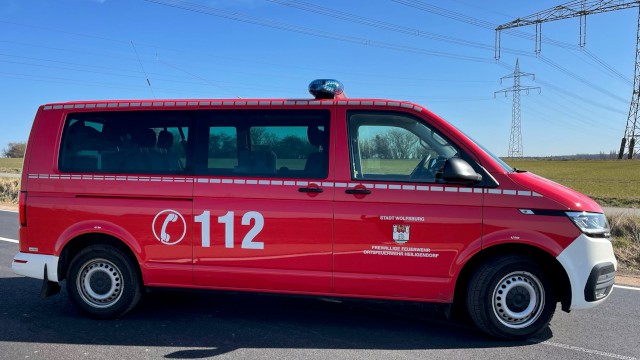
(628, 278)
(8, 207)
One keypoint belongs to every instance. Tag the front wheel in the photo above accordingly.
(103, 282)
(510, 297)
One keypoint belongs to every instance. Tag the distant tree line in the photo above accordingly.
(14, 150)
(223, 145)
(612, 155)
(392, 144)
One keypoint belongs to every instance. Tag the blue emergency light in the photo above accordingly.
(326, 89)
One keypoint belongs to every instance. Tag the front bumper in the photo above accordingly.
(590, 265)
(600, 282)
(33, 265)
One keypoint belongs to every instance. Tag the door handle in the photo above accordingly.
(310, 190)
(358, 191)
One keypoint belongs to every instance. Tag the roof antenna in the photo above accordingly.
(143, 71)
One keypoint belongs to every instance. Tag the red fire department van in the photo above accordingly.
(330, 196)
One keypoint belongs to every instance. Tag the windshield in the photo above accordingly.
(502, 164)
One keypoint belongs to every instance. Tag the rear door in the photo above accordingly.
(263, 206)
(399, 229)
(121, 173)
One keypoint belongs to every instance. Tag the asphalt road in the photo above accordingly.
(200, 324)
(9, 224)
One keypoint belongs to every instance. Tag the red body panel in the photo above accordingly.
(441, 220)
(567, 198)
(295, 238)
(402, 241)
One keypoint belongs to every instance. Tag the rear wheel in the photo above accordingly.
(103, 282)
(510, 297)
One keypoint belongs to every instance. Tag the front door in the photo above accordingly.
(399, 228)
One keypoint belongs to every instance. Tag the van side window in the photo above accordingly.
(396, 147)
(145, 142)
(276, 144)
(223, 149)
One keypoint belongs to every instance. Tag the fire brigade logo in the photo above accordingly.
(169, 227)
(400, 233)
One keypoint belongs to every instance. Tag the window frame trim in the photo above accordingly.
(461, 151)
(233, 119)
(189, 118)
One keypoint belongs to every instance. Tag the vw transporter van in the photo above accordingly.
(330, 196)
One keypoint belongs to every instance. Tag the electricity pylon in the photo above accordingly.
(515, 139)
(582, 8)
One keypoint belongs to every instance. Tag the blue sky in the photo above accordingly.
(435, 53)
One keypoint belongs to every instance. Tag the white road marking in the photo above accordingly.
(626, 287)
(9, 240)
(11, 211)
(588, 351)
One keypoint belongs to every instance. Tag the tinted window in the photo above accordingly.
(285, 144)
(396, 147)
(222, 148)
(147, 142)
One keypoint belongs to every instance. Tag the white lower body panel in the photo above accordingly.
(578, 259)
(32, 265)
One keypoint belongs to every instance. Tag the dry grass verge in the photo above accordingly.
(625, 233)
(9, 190)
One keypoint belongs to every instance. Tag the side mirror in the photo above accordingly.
(458, 171)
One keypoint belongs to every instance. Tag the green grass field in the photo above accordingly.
(10, 165)
(610, 182)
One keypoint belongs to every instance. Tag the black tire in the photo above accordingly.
(510, 297)
(103, 282)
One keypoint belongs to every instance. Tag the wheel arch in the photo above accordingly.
(548, 263)
(80, 242)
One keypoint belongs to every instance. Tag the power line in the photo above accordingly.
(51, 79)
(581, 79)
(582, 8)
(67, 68)
(65, 51)
(156, 78)
(334, 13)
(384, 25)
(350, 17)
(208, 55)
(590, 102)
(235, 16)
(578, 97)
(449, 14)
(609, 68)
(123, 72)
(453, 15)
(584, 120)
(547, 118)
(195, 76)
(325, 11)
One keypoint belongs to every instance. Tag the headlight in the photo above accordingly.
(592, 224)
